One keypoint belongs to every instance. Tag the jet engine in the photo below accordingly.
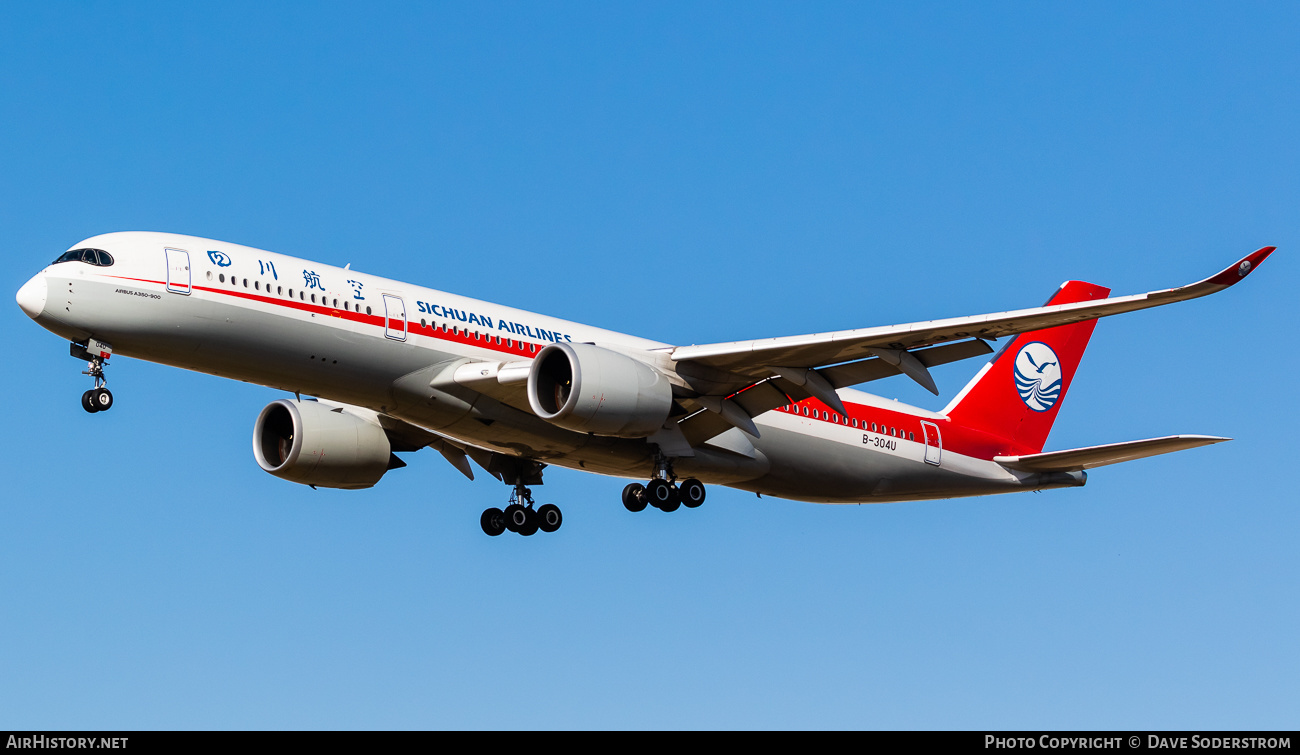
(588, 389)
(320, 445)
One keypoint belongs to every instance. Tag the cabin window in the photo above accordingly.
(279, 290)
(336, 303)
(910, 436)
(222, 277)
(367, 310)
(313, 298)
(423, 324)
(209, 275)
(855, 423)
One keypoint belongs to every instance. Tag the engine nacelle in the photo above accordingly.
(588, 389)
(316, 444)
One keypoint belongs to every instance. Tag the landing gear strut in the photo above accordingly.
(661, 492)
(97, 399)
(520, 516)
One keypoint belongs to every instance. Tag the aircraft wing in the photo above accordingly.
(757, 358)
(740, 380)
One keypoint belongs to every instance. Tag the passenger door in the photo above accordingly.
(394, 318)
(178, 271)
(933, 443)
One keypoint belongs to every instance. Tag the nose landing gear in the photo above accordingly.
(97, 399)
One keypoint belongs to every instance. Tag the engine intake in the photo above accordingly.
(314, 444)
(589, 389)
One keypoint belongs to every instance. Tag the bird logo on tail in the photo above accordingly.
(1038, 376)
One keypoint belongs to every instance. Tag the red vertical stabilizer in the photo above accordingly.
(1018, 394)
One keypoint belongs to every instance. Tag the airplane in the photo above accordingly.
(389, 367)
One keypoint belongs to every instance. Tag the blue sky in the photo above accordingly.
(691, 173)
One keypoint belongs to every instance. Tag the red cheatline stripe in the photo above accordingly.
(462, 337)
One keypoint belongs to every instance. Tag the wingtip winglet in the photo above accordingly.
(1243, 267)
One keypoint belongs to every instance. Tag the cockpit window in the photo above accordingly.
(96, 257)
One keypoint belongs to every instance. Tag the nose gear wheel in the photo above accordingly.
(99, 398)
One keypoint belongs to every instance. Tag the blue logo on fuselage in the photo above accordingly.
(219, 259)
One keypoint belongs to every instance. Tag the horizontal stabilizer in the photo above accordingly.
(1099, 456)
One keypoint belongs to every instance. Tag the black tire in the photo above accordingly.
(88, 402)
(661, 495)
(674, 499)
(549, 518)
(102, 398)
(516, 517)
(634, 498)
(692, 493)
(493, 522)
(531, 522)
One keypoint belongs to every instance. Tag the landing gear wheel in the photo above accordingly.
(549, 517)
(531, 522)
(662, 495)
(88, 402)
(674, 500)
(493, 522)
(102, 399)
(516, 517)
(692, 493)
(634, 497)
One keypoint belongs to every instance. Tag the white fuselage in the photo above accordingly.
(347, 336)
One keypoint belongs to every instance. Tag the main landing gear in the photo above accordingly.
(520, 516)
(661, 492)
(97, 399)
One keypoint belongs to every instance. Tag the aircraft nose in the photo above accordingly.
(31, 297)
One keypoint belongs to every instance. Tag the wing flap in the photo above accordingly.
(853, 373)
(1077, 459)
